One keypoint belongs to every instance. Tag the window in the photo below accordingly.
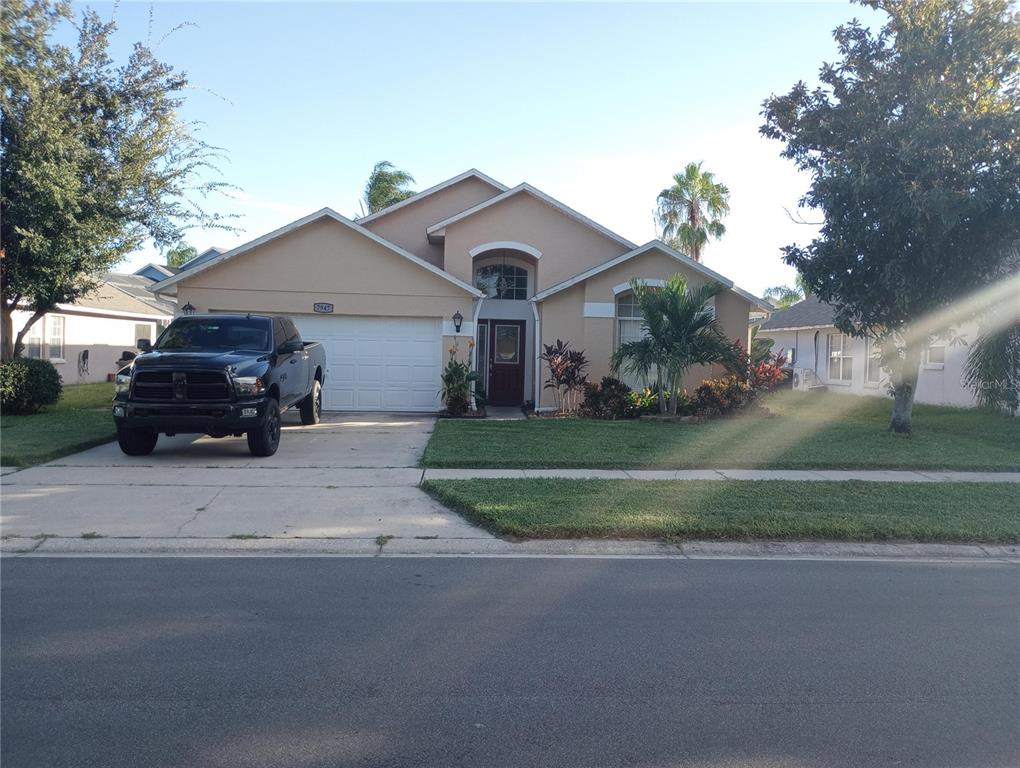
(143, 331)
(791, 356)
(936, 354)
(873, 370)
(503, 281)
(840, 357)
(45, 339)
(508, 344)
(34, 339)
(628, 328)
(55, 337)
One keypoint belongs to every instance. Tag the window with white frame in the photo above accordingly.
(55, 337)
(873, 367)
(841, 361)
(34, 339)
(936, 354)
(628, 328)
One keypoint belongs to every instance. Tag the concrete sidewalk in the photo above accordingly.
(874, 476)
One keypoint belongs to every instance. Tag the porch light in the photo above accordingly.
(188, 309)
(458, 320)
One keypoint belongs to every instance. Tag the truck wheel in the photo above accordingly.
(136, 441)
(265, 439)
(311, 406)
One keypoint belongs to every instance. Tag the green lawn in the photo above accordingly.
(80, 420)
(735, 509)
(824, 431)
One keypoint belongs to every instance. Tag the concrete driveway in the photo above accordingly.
(351, 476)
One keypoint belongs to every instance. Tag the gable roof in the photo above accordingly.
(470, 173)
(163, 270)
(538, 195)
(656, 245)
(324, 213)
(807, 313)
(137, 287)
(202, 258)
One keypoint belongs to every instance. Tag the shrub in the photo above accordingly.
(27, 384)
(609, 399)
(457, 378)
(567, 375)
(645, 401)
(768, 374)
(716, 397)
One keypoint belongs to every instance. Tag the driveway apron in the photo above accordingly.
(351, 476)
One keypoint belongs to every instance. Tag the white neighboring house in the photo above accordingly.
(821, 356)
(84, 340)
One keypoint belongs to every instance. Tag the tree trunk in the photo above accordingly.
(7, 333)
(904, 382)
(674, 398)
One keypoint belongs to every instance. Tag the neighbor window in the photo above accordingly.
(45, 339)
(873, 369)
(34, 339)
(840, 357)
(503, 281)
(143, 331)
(936, 354)
(55, 336)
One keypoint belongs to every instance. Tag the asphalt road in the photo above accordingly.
(499, 662)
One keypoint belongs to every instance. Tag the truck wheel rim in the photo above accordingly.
(274, 426)
(318, 404)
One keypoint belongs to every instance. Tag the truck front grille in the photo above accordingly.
(180, 386)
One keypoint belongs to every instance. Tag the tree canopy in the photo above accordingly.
(690, 212)
(94, 159)
(180, 253)
(386, 185)
(912, 141)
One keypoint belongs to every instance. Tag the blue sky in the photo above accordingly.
(595, 104)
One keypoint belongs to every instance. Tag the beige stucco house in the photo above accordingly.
(381, 293)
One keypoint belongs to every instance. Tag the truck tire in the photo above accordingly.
(265, 439)
(311, 406)
(136, 441)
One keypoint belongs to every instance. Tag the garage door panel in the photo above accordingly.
(378, 363)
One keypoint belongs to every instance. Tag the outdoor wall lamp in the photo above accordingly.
(458, 320)
(188, 309)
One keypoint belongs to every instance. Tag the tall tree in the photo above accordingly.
(94, 160)
(386, 185)
(913, 145)
(783, 296)
(692, 209)
(180, 253)
(679, 331)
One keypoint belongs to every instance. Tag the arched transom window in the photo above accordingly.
(502, 281)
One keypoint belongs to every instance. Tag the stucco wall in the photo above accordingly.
(567, 246)
(563, 315)
(105, 338)
(406, 226)
(324, 262)
(937, 384)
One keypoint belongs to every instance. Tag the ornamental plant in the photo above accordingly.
(457, 379)
(27, 384)
(567, 375)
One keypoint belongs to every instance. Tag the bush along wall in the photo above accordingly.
(27, 384)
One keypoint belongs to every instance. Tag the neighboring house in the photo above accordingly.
(157, 272)
(385, 294)
(820, 355)
(84, 340)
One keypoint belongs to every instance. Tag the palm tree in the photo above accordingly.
(386, 185)
(691, 211)
(680, 331)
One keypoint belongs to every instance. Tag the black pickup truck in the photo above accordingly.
(219, 375)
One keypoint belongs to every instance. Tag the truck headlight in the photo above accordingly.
(123, 383)
(247, 386)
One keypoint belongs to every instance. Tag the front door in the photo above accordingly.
(506, 362)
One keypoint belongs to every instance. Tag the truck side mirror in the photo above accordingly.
(144, 345)
(289, 347)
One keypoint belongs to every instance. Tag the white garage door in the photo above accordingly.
(378, 363)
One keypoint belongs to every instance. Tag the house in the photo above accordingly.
(470, 259)
(822, 356)
(84, 340)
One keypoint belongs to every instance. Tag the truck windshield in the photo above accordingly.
(244, 333)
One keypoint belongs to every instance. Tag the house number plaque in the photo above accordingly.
(323, 307)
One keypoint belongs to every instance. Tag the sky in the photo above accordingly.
(597, 105)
